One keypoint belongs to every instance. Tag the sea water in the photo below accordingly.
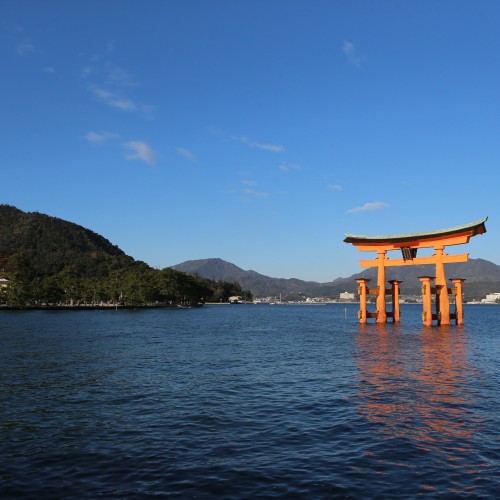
(248, 401)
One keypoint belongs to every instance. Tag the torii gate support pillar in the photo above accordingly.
(427, 299)
(363, 292)
(459, 311)
(396, 315)
(442, 297)
(381, 306)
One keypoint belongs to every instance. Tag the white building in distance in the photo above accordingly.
(491, 298)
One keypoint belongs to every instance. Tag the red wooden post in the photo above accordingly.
(427, 299)
(396, 315)
(362, 291)
(458, 300)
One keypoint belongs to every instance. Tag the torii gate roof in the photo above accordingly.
(470, 229)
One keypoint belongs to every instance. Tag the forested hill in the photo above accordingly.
(34, 245)
(47, 260)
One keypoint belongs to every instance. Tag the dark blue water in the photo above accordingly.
(247, 402)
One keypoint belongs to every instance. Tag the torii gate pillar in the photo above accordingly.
(459, 312)
(362, 292)
(427, 299)
(396, 315)
(442, 297)
(381, 311)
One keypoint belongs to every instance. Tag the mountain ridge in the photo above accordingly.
(482, 277)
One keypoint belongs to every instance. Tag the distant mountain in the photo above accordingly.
(259, 284)
(482, 277)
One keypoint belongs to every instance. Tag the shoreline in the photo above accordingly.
(104, 307)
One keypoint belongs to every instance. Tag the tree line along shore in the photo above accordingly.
(140, 287)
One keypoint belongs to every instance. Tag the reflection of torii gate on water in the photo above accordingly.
(409, 244)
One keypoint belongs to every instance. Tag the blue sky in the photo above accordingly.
(256, 131)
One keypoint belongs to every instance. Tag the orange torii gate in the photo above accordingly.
(409, 244)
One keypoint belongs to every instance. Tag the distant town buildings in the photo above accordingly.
(347, 296)
(491, 298)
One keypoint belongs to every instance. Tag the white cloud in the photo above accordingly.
(100, 137)
(350, 51)
(248, 182)
(334, 187)
(94, 138)
(114, 100)
(272, 148)
(248, 192)
(187, 154)
(369, 207)
(110, 85)
(49, 69)
(255, 194)
(285, 167)
(117, 100)
(140, 151)
(348, 48)
(119, 77)
(86, 71)
(25, 47)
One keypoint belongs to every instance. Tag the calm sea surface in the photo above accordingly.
(248, 402)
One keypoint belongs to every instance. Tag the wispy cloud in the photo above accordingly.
(120, 77)
(108, 73)
(25, 47)
(272, 148)
(140, 151)
(248, 191)
(255, 194)
(49, 69)
(137, 150)
(187, 154)
(286, 167)
(86, 71)
(101, 137)
(111, 85)
(351, 52)
(369, 207)
(334, 187)
(18, 39)
(114, 100)
(248, 182)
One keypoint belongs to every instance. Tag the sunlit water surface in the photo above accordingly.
(247, 402)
